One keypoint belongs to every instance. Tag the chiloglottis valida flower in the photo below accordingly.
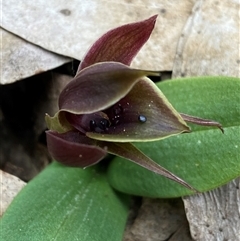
(108, 106)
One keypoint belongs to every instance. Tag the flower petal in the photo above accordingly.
(120, 44)
(73, 149)
(98, 87)
(58, 123)
(130, 152)
(202, 122)
(82, 122)
(146, 116)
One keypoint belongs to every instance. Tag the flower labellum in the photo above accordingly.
(109, 105)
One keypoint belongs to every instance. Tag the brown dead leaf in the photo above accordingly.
(10, 187)
(21, 59)
(158, 219)
(69, 28)
(215, 215)
(210, 43)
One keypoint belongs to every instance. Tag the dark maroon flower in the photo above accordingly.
(109, 105)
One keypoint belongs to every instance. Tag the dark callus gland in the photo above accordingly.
(99, 125)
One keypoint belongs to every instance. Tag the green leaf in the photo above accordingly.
(205, 158)
(64, 203)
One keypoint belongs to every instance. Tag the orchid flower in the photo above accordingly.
(108, 106)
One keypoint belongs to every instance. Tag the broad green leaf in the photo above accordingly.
(204, 158)
(64, 203)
